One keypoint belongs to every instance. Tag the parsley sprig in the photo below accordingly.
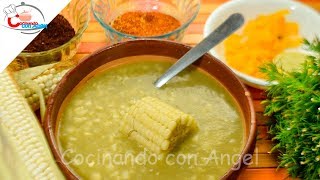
(294, 103)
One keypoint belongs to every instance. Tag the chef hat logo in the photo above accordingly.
(26, 18)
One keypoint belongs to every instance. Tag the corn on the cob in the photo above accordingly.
(156, 125)
(47, 81)
(23, 136)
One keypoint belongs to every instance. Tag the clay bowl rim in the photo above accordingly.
(251, 122)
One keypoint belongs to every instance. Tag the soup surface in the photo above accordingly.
(89, 121)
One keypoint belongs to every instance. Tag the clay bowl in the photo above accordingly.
(151, 47)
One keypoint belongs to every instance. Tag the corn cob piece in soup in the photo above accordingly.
(156, 125)
(90, 119)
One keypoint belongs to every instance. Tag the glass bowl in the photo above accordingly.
(105, 11)
(77, 12)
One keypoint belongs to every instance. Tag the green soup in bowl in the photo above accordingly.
(86, 110)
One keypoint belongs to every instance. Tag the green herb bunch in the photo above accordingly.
(294, 103)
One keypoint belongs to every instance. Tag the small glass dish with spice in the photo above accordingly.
(59, 41)
(136, 19)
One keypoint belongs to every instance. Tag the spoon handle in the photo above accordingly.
(234, 22)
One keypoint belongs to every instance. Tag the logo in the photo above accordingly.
(26, 18)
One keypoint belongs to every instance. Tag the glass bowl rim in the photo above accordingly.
(63, 46)
(180, 28)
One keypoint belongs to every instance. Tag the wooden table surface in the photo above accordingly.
(264, 165)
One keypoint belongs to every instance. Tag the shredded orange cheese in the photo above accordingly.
(260, 41)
